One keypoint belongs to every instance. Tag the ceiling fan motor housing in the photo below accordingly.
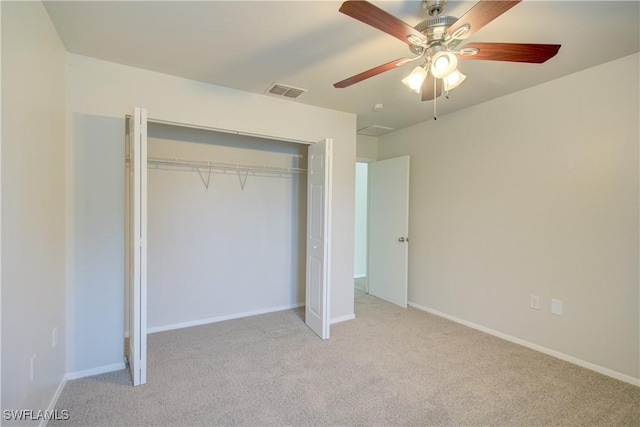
(435, 30)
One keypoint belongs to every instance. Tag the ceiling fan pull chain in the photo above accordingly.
(435, 81)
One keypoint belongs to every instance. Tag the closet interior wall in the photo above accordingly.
(223, 242)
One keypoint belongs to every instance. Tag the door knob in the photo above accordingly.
(402, 239)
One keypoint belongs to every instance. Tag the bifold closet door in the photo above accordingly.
(137, 253)
(317, 242)
(318, 237)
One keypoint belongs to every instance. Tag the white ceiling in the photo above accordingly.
(248, 45)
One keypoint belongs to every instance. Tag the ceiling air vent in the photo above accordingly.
(374, 130)
(284, 90)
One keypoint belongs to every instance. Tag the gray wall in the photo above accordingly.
(534, 193)
(33, 206)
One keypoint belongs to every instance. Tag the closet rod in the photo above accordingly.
(221, 165)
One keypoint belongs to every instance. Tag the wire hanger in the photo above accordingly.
(206, 183)
(243, 179)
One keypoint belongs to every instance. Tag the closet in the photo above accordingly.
(221, 225)
(226, 226)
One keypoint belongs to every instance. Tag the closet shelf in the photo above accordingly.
(223, 166)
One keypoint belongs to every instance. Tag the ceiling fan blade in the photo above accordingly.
(480, 15)
(511, 52)
(427, 88)
(372, 15)
(370, 73)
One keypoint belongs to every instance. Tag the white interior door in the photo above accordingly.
(318, 237)
(389, 229)
(137, 355)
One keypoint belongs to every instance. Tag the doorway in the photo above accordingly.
(361, 229)
(388, 254)
(382, 230)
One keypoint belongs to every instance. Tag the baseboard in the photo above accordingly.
(342, 318)
(54, 400)
(591, 366)
(94, 371)
(221, 318)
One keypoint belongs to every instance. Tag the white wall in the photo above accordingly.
(33, 206)
(366, 148)
(534, 193)
(229, 248)
(99, 95)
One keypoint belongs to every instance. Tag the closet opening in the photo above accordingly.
(226, 226)
(225, 229)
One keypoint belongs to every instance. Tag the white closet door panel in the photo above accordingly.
(318, 237)
(137, 253)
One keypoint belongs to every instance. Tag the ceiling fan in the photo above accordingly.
(436, 42)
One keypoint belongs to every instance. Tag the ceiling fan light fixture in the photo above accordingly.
(453, 80)
(415, 79)
(443, 64)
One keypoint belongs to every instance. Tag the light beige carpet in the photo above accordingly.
(389, 366)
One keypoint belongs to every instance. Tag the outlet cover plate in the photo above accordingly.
(32, 367)
(556, 307)
(534, 302)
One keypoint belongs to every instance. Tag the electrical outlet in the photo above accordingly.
(54, 337)
(32, 370)
(534, 302)
(556, 307)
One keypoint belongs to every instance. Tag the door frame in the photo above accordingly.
(129, 210)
